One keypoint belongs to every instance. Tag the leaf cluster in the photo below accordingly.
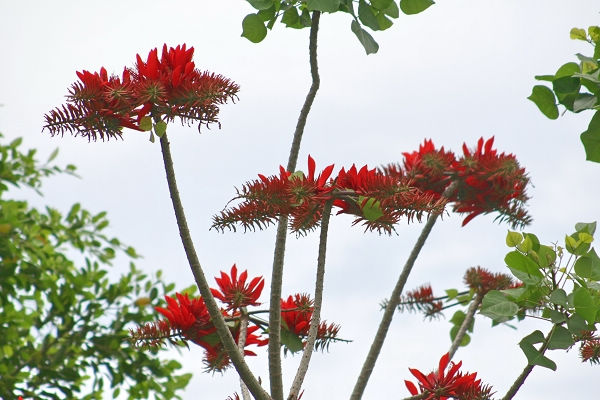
(565, 294)
(576, 86)
(64, 321)
(376, 15)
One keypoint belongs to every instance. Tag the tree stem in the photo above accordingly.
(213, 309)
(275, 374)
(241, 343)
(316, 315)
(465, 324)
(388, 314)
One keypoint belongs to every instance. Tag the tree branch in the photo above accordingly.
(241, 343)
(213, 309)
(316, 315)
(465, 324)
(275, 375)
(388, 313)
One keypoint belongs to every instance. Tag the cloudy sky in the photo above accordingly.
(458, 71)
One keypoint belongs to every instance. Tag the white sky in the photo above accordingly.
(458, 71)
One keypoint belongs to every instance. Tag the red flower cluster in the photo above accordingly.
(376, 199)
(448, 383)
(164, 89)
(189, 320)
(296, 312)
(421, 299)
(590, 350)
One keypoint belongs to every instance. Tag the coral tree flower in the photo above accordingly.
(235, 292)
(296, 313)
(190, 316)
(446, 383)
(482, 281)
(165, 88)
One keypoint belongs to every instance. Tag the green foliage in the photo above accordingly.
(65, 322)
(566, 295)
(377, 15)
(576, 86)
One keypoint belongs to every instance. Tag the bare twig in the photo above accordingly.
(241, 343)
(213, 309)
(275, 375)
(388, 313)
(465, 324)
(316, 315)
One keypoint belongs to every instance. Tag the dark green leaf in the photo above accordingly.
(561, 338)
(381, 4)
(557, 317)
(585, 305)
(323, 5)
(591, 139)
(584, 101)
(534, 357)
(586, 227)
(496, 305)
(383, 21)
(588, 266)
(544, 99)
(291, 19)
(393, 10)
(577, 325)
(291, 341)
(410, 7)
(559, 297)
(253, 28)
(261, 4)
(367, 41)
(367, 16)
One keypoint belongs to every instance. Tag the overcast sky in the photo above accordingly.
(458, 71)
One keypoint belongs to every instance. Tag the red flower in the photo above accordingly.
(444, 384)
(216, 358)
(590, 351)
(482, 280)
(421, 299)
(490, 182)
(191, 317)
(235, 292)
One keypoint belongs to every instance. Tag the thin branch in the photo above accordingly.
(527, 370)
(241, 343)
(388, 313)
(316, 315)
(275, 375)
(213, 309)
(465, 324)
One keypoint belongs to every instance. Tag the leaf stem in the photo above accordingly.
(213, 309)
(316, 315)
(473, 307)
(275, 374)
(388, 313)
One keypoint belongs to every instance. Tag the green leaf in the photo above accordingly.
(584, 101)
(466, 338)
(567, 70)
(261, 4)
(591, 139)
(544, 99)
(577, 325)
(559, 297)
(451, 293)
(584, 304)
(146, 123)
(458, 318)
(160, 128)
(291, 19)
(383, 21)
(523, 267)
(586, 227)
(393, 10)
(291, 341)
(382, 4)
(534, 357)
(367, 16)
(513, 238)
(52, 155)
(323, 5)
(496, 305)
(561, 338)
(410, 7)
(594, 32)
(546, 256)
(588, 266)
(253, 28)
(578, 34)
(371, 208)
(367, 41)
(557, 317)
